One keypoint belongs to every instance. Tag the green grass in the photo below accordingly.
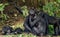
(20, 35)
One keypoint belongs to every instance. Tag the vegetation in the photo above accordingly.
(52, 7)
(2, 15)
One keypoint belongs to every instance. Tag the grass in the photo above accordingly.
(25, 35)
(19, 35)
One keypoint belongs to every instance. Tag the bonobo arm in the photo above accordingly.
(26, 24)
(32, 23)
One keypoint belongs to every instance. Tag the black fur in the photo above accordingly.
(7, 30)
(18, 31)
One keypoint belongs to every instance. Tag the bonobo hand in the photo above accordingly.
(32, 23)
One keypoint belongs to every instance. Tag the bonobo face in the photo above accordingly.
(32, 12)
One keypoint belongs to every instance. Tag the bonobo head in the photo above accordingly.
(32, 12)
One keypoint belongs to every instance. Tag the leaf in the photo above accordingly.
(50, 8)
(24, 10)
(58, 1)
(2, 6)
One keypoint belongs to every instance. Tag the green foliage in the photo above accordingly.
(2, 6)
(23, 0)
(51, 30)
(21, 35)
(2, 15)
(58, 1)
(50, 8)
(24, 10)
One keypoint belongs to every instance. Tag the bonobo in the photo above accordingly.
(17, 31)
(36, 23)
(7, 30)
(30, 20)
(27, 23)
(32, 17)
(41, 26)
(51, 20)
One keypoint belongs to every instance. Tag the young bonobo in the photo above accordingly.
(7, 30)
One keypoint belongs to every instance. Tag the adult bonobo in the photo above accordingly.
(41, 26)
(51, 20)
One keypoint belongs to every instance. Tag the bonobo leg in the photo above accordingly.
(54, 21)
(56, 30)
(39, 29)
